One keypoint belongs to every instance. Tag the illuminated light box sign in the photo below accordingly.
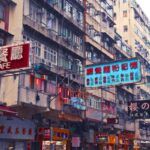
(78, 103)
(14, 56)
(114, 73)
(139, 109)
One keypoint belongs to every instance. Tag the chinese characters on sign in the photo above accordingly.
(115, 73)
(16, 128)
(139, 109)
(14, 57)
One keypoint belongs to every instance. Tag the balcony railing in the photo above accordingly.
(127, 54)
(52, 35)
(64, 15)
(105, 28)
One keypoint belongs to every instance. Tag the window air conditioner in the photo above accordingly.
(91, 27)
(97, 13)
(89, 5)
(97, 34)
(48, 64)
(41, 11)
(43, 61)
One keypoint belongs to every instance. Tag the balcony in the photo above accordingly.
(51, 35)
(68, 18)
(106, 29)
(125, 53)
(65, 73)
(99, 47)
(80, 3)
(61, 13)
(47, 70)
(128, 89)
(139, 13)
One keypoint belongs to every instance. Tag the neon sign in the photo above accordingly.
(114, 73)
(139, 109)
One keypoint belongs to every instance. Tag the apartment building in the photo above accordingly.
(133, 25)
(55, 31)
(62, 34)
(104, 45)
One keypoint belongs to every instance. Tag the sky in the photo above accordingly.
(145, 5)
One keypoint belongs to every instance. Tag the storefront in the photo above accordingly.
(106, 142)
(123, 142)
(15, 133)
(136, 144)
(53, 138)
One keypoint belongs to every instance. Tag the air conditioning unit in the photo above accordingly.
(41, 11)
(43, 61)
(76, 45)
(89, 5)
(49, 64)
(97, 34)
(69, 41)
(91, 27)
(96, 13)
(110, 7)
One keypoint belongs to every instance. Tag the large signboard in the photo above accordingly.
(78, 103)
(14, 56)
(114, 73)
(139, 109)
(16, 129)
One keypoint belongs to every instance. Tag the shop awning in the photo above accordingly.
(68, 117)
(7, 110)
(6, 33)
(27, 110)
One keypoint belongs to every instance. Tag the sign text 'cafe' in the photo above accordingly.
(14, 56)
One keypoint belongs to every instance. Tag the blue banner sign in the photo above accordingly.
(113, 73)
(78, 103)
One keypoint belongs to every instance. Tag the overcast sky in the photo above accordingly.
(145, 5)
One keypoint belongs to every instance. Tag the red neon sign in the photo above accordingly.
(14, 57)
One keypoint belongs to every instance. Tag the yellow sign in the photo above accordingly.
(111, 139)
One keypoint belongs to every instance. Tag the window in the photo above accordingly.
(37, 48)
(1, 12)
(124, 1)
(125, 13)
(50, 55)
(38, 83)
(36, 12)
(93, 103)
(125, 28)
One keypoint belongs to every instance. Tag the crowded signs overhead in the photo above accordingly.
(114, 73)
(14, 56)
(139, 109)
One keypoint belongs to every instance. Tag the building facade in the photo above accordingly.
(135, 31)
(64, 37)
